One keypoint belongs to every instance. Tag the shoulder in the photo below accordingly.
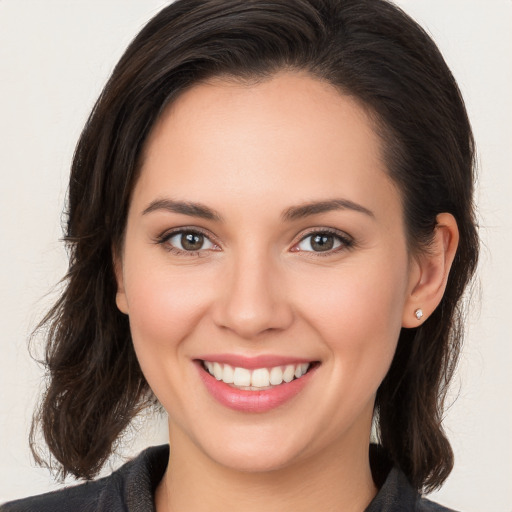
(130, 487)
(396, 494)
(425, 505)
(83, 497)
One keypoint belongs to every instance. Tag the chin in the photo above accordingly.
(260, 462)
(253, 454)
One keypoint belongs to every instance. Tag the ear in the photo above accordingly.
(121, 302)
(429, 272)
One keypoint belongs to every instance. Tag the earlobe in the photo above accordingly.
(431, 273)
(121, 301)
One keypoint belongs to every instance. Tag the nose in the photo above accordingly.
(253, 298)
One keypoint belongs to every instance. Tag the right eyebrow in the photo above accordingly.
(185, 208)
(316, 207)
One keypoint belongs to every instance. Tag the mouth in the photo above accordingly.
(257, 379)
(254, 385)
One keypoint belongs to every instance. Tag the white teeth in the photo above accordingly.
(217, 371)
(228, 374)
(289, 373)
(242, 377)
(258, 378)
(276, 376)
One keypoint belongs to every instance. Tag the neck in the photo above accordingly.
(338, 478)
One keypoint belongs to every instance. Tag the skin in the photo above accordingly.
(250, 152)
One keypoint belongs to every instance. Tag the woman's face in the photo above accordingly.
(265, 235)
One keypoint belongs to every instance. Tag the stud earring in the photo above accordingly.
(418, 313)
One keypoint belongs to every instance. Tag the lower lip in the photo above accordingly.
(253, 401)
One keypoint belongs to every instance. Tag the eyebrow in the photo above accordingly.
(185, 208)
(290, 214)
(314, 208)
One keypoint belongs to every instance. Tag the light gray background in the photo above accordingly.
(54, 59)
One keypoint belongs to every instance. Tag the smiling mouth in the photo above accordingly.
(257, 379)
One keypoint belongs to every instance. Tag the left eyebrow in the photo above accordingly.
(313, 208)
(185, 208)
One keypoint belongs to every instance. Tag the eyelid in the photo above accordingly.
(347, 241)
(166, 235)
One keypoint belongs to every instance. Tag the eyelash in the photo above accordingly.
(164, 238)
(346, 242)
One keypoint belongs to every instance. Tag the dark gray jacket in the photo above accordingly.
(132, 486)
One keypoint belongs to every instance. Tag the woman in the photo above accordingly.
(270, 223)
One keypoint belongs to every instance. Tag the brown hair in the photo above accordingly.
(368, 49)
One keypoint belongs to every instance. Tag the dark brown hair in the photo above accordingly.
(368, 49)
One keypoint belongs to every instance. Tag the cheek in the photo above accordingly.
(357, 311)
(164, 304)
(165, 307)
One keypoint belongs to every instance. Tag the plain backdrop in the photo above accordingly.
(55, 56)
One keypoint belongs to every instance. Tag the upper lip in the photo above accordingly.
(251, 363)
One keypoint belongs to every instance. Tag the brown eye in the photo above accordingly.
(323, 242)
(189, 241)
(192, 241)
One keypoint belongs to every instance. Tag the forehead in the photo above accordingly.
(225, 140)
